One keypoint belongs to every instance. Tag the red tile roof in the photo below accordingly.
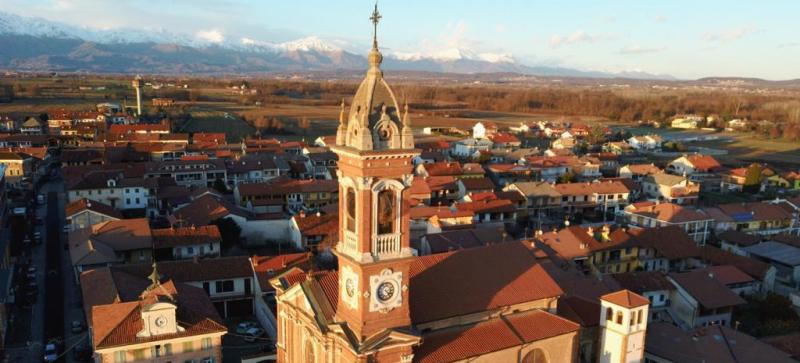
(460, 343)
(83, 204)
(626, 299)
(707, 290)
(268, 267)
(728, 275)
(704, 162)
(185, 236)
(477, 279)
(443, 168)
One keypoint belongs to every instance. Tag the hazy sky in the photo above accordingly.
(686, 39)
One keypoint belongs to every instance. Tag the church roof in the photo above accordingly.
(459, 343)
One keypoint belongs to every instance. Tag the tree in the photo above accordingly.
(752, 178)
(568, 177)
(230, 232)
(597, 135)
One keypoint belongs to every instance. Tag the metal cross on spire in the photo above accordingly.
(375, 18)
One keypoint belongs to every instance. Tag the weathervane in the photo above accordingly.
(375, 18)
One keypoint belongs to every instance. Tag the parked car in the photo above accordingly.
(37, 236)
(40, 199)
(253, 334)
(244, 326)
(77, 327)
(50, 353)
(66, 228)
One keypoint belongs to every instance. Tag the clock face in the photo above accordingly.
(161, 321)
(385, 291)
(350, 287)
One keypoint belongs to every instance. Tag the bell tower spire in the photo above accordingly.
(375, 171)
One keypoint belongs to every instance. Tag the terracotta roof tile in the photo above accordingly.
(626, 299)
(185, 236)
(708, 291)
(83, 204)
(641, 282)
(477, 279)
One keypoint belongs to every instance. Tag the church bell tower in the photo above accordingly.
(375, 146)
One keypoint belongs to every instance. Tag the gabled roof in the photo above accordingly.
(715, 343)
(465, 238)
(185, 236)
(476, 279)
(113, 302)
(206, 209)
(667, 212)
(708, 291)
(204, 269)
(704, 162)
(641, 282)
(463, 342)
(477, 183)
(84, 204)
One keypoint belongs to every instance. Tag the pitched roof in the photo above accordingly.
(462, 342)
(626, 299)
(476, 279)
(643, 169)
(609, 187)
(667, 212)
(729, 275)
(206, 209)
(704, 162)
(477, 183)
(715, 343)
(671, 242)
(443, 168)
(488, 206)
(185, 236)
(536, 189)
(84, 204)
(463, 238)
(113, 303)
(204, 269)
(268, 267)
(756, 269)
(745, 212)
(708, 291)
(644, 281)
(738, 237)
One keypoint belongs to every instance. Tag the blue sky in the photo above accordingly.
(686, 39)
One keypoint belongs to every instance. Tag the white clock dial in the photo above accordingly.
(161, 321)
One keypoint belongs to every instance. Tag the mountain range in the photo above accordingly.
(35, 44)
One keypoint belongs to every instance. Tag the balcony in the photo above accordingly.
(386, 244)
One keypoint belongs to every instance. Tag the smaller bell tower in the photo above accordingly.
(623, 324)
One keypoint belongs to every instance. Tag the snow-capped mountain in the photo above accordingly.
(35, 44)
(455, 54)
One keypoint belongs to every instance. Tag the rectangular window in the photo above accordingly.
(168, 348)
(247, 288)
(127, 200)
(137, 201)
(119, 356)
(138, 354)
(224, 286)
(206, 343)
(188, 346)
(207, 287)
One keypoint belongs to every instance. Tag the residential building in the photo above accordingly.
(189, 172)
(696, 223)
(136, 319)
(18, 166)
(703, 169)
(671, 188)
(786, 260)
(186, 242)
(109, 243)
(701, 300)
(654, 286)
(31, 126)
(646, 142)
(227, 281)
(638, 172)
(600, 197)
(84, 213)
(289, 195)
(755, 217)
(667, 343)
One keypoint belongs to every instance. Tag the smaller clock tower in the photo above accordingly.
(623, 324)
(375, 146)
(158, 309)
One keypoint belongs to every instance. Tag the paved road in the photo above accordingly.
(31, 345)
